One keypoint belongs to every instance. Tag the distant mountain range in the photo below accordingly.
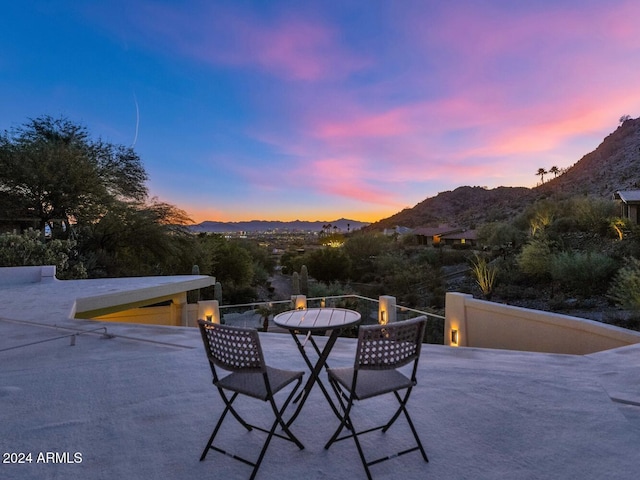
(342, 225)
(614, 165)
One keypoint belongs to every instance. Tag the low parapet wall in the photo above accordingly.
(479, 323)
(21, 275)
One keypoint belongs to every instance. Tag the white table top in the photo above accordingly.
(317, 318)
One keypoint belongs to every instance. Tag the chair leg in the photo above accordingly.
(403, 409)
(288, 435)
(227, 409)
(347, 423)
(415, 434)
(279, 416)
(402, 402)
(345, 408)
(214, 433)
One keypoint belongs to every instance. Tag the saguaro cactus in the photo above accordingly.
(304, 280)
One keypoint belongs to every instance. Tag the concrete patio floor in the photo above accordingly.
(140, 405)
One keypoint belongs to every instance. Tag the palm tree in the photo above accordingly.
(541, 172)
(555, 170)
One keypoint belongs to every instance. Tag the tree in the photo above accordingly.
(135, 238)
(328, 264)
(541, 172)
(52, 169)
(555, 170)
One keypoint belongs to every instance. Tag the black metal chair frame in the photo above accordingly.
(237, 350)
(380, 351)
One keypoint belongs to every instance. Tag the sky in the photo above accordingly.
(320, 110)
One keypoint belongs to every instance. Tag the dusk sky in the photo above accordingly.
(316, 110)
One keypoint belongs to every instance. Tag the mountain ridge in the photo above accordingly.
(613, 165)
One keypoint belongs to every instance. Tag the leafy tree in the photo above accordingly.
(555, 170)
(328, 264)
(362, 249)
(135, 238)
(53, 170)
(539, 216)
(541, 172)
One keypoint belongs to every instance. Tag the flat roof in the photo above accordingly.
(139, 404)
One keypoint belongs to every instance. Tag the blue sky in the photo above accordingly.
(318, 110)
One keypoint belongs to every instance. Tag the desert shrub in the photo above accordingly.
(500, 234)
(592, 214)
(625, 288)
(535, 258)
(30, 249)
(582, 273)
(321, 289)
(453, 257)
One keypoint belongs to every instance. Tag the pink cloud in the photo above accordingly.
(346, 177)
(291, 46)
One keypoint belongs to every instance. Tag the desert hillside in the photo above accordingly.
(613, 165)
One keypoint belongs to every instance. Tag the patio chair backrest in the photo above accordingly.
(232, 348)
(386, 347)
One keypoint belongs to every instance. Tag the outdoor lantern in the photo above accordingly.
(209, 310)
(454, 337)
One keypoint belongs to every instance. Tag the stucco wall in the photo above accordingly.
(492, 325)
(21, 275)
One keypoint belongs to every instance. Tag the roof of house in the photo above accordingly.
(628, 196)
(139, 404)
(439, 230)
(468, 234)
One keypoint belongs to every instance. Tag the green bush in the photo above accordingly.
(582, 273)
(30, 249)
(535, 258)
(625, 288)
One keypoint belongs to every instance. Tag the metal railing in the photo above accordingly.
(254, 314)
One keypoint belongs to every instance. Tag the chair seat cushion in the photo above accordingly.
(252, 383)
(371, 382)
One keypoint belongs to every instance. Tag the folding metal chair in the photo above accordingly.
(237, 350)
(381, 350)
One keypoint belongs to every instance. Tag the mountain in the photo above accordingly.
(613, 165)
(343, 225)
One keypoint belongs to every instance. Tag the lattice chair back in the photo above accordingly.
(232, 348)
(386, 347)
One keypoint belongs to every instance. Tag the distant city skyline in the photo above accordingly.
(320, 110)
